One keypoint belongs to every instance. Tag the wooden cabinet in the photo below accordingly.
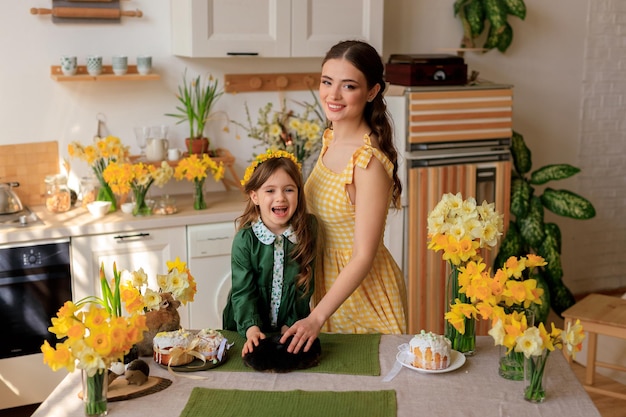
(149, 249)
(272, 28)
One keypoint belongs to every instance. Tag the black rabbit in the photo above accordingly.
(272, 356)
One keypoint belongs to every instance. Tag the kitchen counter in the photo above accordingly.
(222, 206)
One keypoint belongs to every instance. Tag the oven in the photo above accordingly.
(35, 281)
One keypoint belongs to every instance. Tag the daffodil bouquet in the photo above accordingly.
(99, 156)
(460, 228)
(535, 343)
(285, 129)
(95, 335)
(196, 169)
(138, 177)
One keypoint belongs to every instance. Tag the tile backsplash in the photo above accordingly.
(28, 164)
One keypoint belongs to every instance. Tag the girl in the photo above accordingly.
(273, 251)
(350, 190)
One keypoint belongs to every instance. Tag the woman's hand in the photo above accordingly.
(304, 333)
(253, 335)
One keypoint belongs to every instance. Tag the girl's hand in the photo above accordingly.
(253, 335)
(304, 333)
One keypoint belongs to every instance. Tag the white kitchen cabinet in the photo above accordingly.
(272, 28)
(149, 249)
(209, 248)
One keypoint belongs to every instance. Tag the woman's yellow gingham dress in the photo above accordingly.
(379, 303)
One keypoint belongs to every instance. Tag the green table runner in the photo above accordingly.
(350, 354)
(237, 403)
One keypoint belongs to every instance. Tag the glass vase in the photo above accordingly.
(106, 194)
(511, 365)
(95, 390)
(461, 342)
(141, 207)
(534, 368)
(199, 202)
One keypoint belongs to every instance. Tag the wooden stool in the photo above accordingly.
(598, 314)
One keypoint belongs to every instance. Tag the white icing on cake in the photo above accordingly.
(165, 342)
(209, 341)
(431, 351)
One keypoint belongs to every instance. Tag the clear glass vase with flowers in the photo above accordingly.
(138, 177)
(195, 168)
(99, 155)
(93, 334)
(535, 344)
(460, 228)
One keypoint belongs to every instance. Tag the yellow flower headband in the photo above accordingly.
(259, 159)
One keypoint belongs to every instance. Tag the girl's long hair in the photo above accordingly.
(365, 58)
(305, 250)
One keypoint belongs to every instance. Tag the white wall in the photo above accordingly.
(563, 63)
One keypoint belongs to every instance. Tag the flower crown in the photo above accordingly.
(260, 158)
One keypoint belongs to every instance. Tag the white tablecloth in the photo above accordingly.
(475, 389)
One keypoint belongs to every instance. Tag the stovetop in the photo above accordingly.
(23, 218)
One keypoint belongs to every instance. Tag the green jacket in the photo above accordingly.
(252, 264)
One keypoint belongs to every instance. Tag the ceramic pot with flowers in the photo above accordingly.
(196, 99)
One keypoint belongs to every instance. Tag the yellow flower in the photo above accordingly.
(286, 130)
(193, 168)
(259, 159)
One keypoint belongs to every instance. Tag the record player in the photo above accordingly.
(426, 70)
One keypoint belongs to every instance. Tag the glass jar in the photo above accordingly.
(166, 205)
(58, 194)
(89, 187)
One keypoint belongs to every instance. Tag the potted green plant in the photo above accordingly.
(196, 96)
(528, 233)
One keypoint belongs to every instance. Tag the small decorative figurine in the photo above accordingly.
(137, 372)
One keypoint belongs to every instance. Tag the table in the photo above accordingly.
(599, 314)
(475, 389)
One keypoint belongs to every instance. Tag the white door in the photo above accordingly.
(148, 249)
(220, 28)
(319, 24)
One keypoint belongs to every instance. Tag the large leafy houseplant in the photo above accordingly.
(488, 16)
(197, 97)
(527, 231)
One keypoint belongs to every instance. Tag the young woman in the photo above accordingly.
(273, 251)
(350, 190)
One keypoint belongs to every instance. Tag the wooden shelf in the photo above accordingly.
(230, 178)
(107, 74)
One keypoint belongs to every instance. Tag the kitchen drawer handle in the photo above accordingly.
(216, 238)
(242, 53)
(121, 238)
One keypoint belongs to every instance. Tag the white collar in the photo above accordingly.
(267, 237)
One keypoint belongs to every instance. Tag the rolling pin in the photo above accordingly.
(86, 13)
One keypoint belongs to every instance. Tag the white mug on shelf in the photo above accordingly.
(173, 154)
(68, 64)
(156, 149)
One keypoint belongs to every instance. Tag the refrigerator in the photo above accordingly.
(450, 139)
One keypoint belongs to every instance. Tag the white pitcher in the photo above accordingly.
(156, 149)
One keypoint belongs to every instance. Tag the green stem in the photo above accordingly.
(198, 198)
(95, 394)
(105, 193)
(461, 342)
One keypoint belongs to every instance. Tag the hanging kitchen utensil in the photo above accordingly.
(64, 11)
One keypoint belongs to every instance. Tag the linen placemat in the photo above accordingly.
(348, 354)
(237, 403)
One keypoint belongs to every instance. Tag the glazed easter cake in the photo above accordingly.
(172, 348)
(431, 351)
(209, 342)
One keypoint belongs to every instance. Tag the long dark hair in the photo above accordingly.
(305, 249)
(366, 59)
